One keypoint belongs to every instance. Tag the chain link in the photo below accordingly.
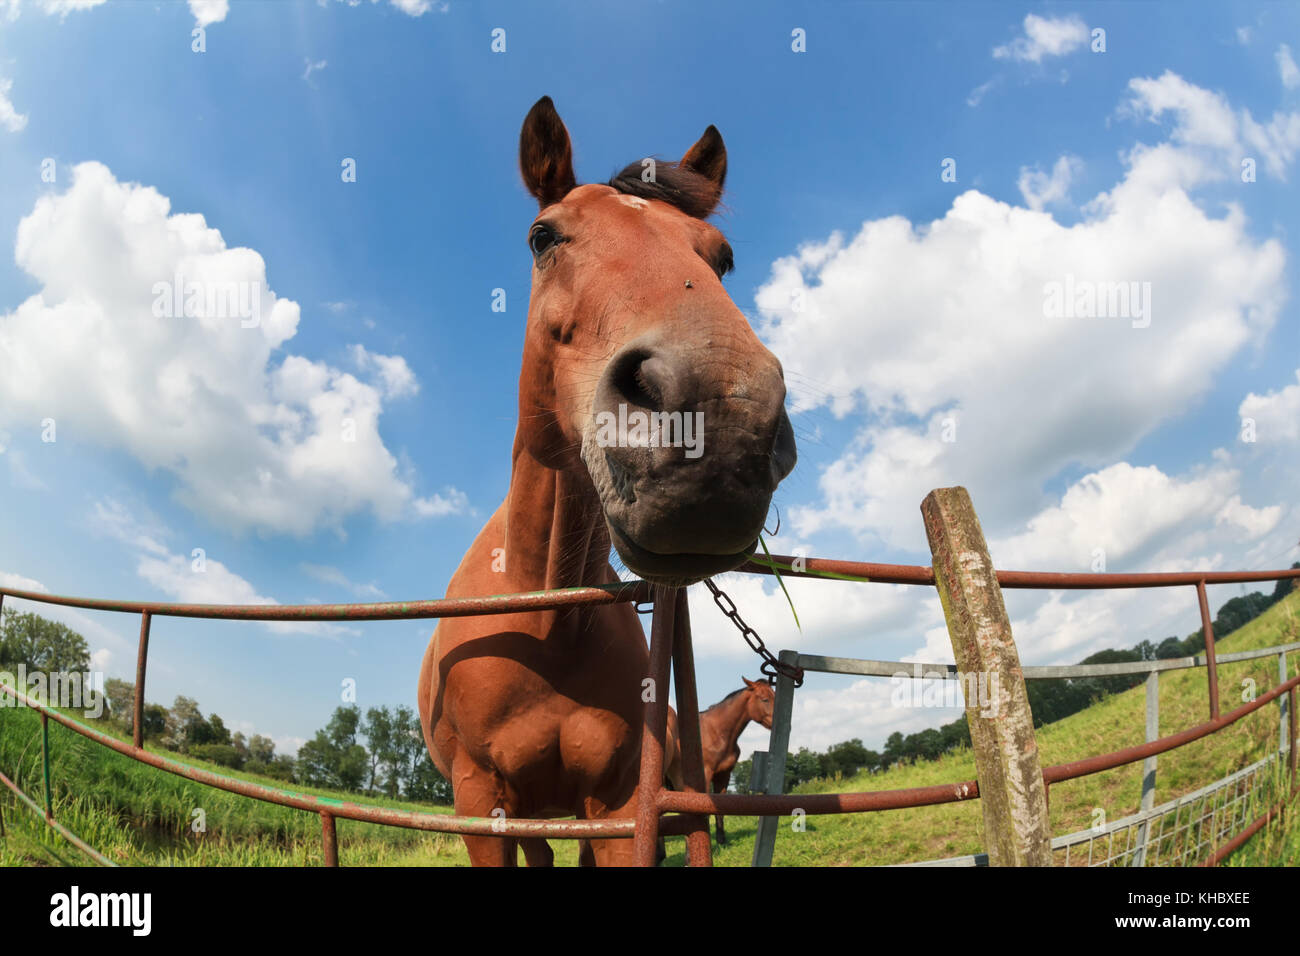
(771, 666)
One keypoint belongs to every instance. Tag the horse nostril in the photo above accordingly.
(783, 454)
(637, 379)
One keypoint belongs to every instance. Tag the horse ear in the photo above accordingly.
(708, 157)
(546, 154)
(748, 682)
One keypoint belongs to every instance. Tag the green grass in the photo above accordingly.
(137, 815)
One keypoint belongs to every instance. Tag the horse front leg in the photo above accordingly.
(478, 792)
(720, 783)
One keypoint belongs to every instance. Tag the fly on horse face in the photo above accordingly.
(539, 714)
(720, 727)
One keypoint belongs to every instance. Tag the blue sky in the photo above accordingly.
(1081, 436)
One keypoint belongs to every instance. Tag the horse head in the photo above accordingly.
(761, 700)
(638, 367)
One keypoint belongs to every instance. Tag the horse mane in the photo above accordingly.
(734, 693)
(692, 193)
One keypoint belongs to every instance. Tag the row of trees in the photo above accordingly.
(381, 751)
(1049, 700)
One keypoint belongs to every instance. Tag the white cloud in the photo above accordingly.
(1131, 515)
(1276, 414)
(939, 331)
(1044, 37)
(255, 438)
(188, 579)
(62, 8)
(1243, 35)
(396, 376)
(1287, 68)
(10, 118)
(208, 12)
(414, 8)
(1211, 138)
(331, 575)
(179, 577)
(437, 506)
(1044, 189)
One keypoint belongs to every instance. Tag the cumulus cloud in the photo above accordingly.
(938, 336)
(1044, 37)
(934, 340)
(10, 118)
(1275, 415)
(149, 335)
(1128, 516)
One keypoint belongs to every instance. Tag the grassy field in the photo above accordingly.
(137, 815)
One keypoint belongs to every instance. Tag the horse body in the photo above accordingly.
(720, 729)
(540, 713)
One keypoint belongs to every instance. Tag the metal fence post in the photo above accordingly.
(1013, 795)
(1149, 766)
(778, 746)
(45, 763)
(329, 838)
(655, 728)
(141, 661)
(699, 852)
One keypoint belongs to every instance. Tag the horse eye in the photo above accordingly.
(540, 239)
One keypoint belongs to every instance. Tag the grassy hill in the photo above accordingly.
(137, 815)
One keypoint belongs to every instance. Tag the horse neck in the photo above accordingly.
(555, 528)
(730, 717)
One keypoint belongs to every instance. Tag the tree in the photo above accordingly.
(261, 749)
(41, 645)
(1170, 647)
(121, 702)
(154, 721)
(183, 720)
(333, 758)
(379, 730)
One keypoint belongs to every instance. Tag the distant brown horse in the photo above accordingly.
(720, 727)
(539, 714)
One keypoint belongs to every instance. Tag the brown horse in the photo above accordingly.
(539, 714)
(720, 727)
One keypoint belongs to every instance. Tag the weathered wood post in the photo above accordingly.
(1012, 794)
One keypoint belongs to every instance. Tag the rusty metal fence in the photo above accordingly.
(659, 811)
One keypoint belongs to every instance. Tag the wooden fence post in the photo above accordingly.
(1012, 794)
(1149, 766)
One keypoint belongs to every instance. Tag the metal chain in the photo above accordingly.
(771, 666)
